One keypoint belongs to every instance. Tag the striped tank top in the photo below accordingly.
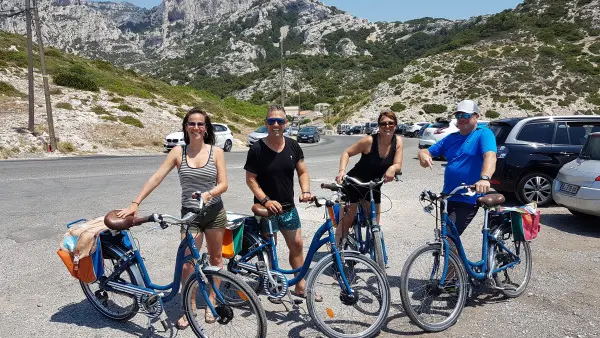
(197, 179)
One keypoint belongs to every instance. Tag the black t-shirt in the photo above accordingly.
(275, 171)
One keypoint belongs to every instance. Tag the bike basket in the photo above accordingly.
(232, 239)
(86, 269)
(525, 226)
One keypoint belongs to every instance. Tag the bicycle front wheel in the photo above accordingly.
(433, 307)
(339, 314)
(244, 317)
(514, 279)
(378, 249)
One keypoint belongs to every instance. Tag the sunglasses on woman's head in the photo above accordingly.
(463, 116)
(387, 124)
(196, 124)
(271, 121)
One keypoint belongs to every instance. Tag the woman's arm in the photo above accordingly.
(361, 146)
(397, 165)
(154, 181)
(222, 184)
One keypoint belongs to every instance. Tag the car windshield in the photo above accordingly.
(591, 150)
(308, 129)
(441, 124)
(262, 130)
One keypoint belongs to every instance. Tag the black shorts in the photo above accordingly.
(354, 193)
(461, 214)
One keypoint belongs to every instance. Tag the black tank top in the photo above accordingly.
(371, 166)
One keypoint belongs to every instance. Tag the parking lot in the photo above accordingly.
(40, 298)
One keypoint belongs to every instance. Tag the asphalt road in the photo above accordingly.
(39, 298)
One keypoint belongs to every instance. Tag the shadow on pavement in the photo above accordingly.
(574, 225)
(84, 314)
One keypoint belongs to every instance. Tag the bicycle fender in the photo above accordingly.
(211, 268)
(119, 252)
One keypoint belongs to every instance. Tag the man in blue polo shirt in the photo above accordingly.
(471, 155)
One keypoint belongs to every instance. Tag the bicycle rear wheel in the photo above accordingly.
(378, 249)
(113, 304)
(431, 306)
(341, 315)
(244, 317)
(514, 280)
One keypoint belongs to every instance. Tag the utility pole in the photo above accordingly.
(282, 34)
(38, 32)
(31, 123)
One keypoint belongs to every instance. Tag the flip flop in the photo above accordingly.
(182, 327)
(318, 298)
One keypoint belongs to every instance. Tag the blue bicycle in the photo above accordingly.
(355, 292)
(435, 279)
(126, 288)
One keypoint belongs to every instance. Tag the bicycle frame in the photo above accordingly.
(361, 218)
(482, 265)
(326, 229)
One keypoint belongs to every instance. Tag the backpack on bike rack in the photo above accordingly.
(525, 221)
(81, 250)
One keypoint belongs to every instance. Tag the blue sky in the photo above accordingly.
(402, 10)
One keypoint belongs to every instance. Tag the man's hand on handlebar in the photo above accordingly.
(305, 197)
(482, 186)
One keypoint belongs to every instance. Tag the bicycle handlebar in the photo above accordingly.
(354, 181)
(431, 196)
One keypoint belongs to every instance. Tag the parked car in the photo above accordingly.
(577, 185)
(308, 134)
(342, 128)
(532, 150)
(223, 138)
(370, 128)
(293, 131)
(354, 130)
(412, 130)
(262, 132)
(420, 132)
(441, 129)
(401, 128)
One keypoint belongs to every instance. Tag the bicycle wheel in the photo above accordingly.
(237, 319)
(431, 306)
(515, 278)
(341, 315)
(113, 304)
(378, 249)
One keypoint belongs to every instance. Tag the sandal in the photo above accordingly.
(181, 326)
(208, 317)
(318, 298)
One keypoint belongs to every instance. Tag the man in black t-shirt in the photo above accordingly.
(270, 167)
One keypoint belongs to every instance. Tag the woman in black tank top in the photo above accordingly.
(201, 167)
(381, 156)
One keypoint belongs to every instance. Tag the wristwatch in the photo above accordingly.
(264, 200)
(485, 177)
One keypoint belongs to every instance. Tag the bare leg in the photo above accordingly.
(186, 271)
(293, 239)
(341, 232)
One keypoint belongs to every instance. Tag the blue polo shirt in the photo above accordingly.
(465, 159)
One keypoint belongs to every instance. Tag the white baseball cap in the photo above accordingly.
(467, 106)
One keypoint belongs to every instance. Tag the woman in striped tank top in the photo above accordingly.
(201, 167)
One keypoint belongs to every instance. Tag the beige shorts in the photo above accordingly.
(213, 217)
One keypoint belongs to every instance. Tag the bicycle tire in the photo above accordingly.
(378, 250)
(431, 288)
(255, 281)
(521, 249)
(233, 327)
(111, 257)
(353, 263)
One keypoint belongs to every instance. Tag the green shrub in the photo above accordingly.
(131, 121)
(76, 80)
(594, 99)
(116, 99)
(128, 108)
(108, 118)
(9, 90)
(64, 105)
(418, 78)
(99, 110)
(234, 129)
(564, 103)
(398, 107)
(466, 67)
(492, 114)
(427, 84)
(153, 104)
(434, 108)
(66, 147)
(594, 48)
(55, 91)
(526, 105)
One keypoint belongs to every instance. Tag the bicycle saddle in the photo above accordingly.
(114, 222)
(259, 210)
(491, 200)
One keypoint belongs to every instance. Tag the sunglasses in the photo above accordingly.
(463, 116)
(272, 120)
(196, 124)
(387, 124)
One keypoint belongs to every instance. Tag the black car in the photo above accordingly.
(308, 134)
(354, 130)
(532, 150)
(401, 129)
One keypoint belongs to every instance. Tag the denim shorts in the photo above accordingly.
(288, 220)
(213, 217)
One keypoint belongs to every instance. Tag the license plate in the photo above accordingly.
(569, 188)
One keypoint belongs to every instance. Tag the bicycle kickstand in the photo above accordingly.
(162, 320)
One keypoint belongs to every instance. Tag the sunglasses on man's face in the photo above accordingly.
(387, 124)
(196, 124)
(272, 120)
(463, 116)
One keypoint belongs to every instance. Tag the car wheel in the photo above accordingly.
(535, 187)
(228, 145)
(580, 214)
